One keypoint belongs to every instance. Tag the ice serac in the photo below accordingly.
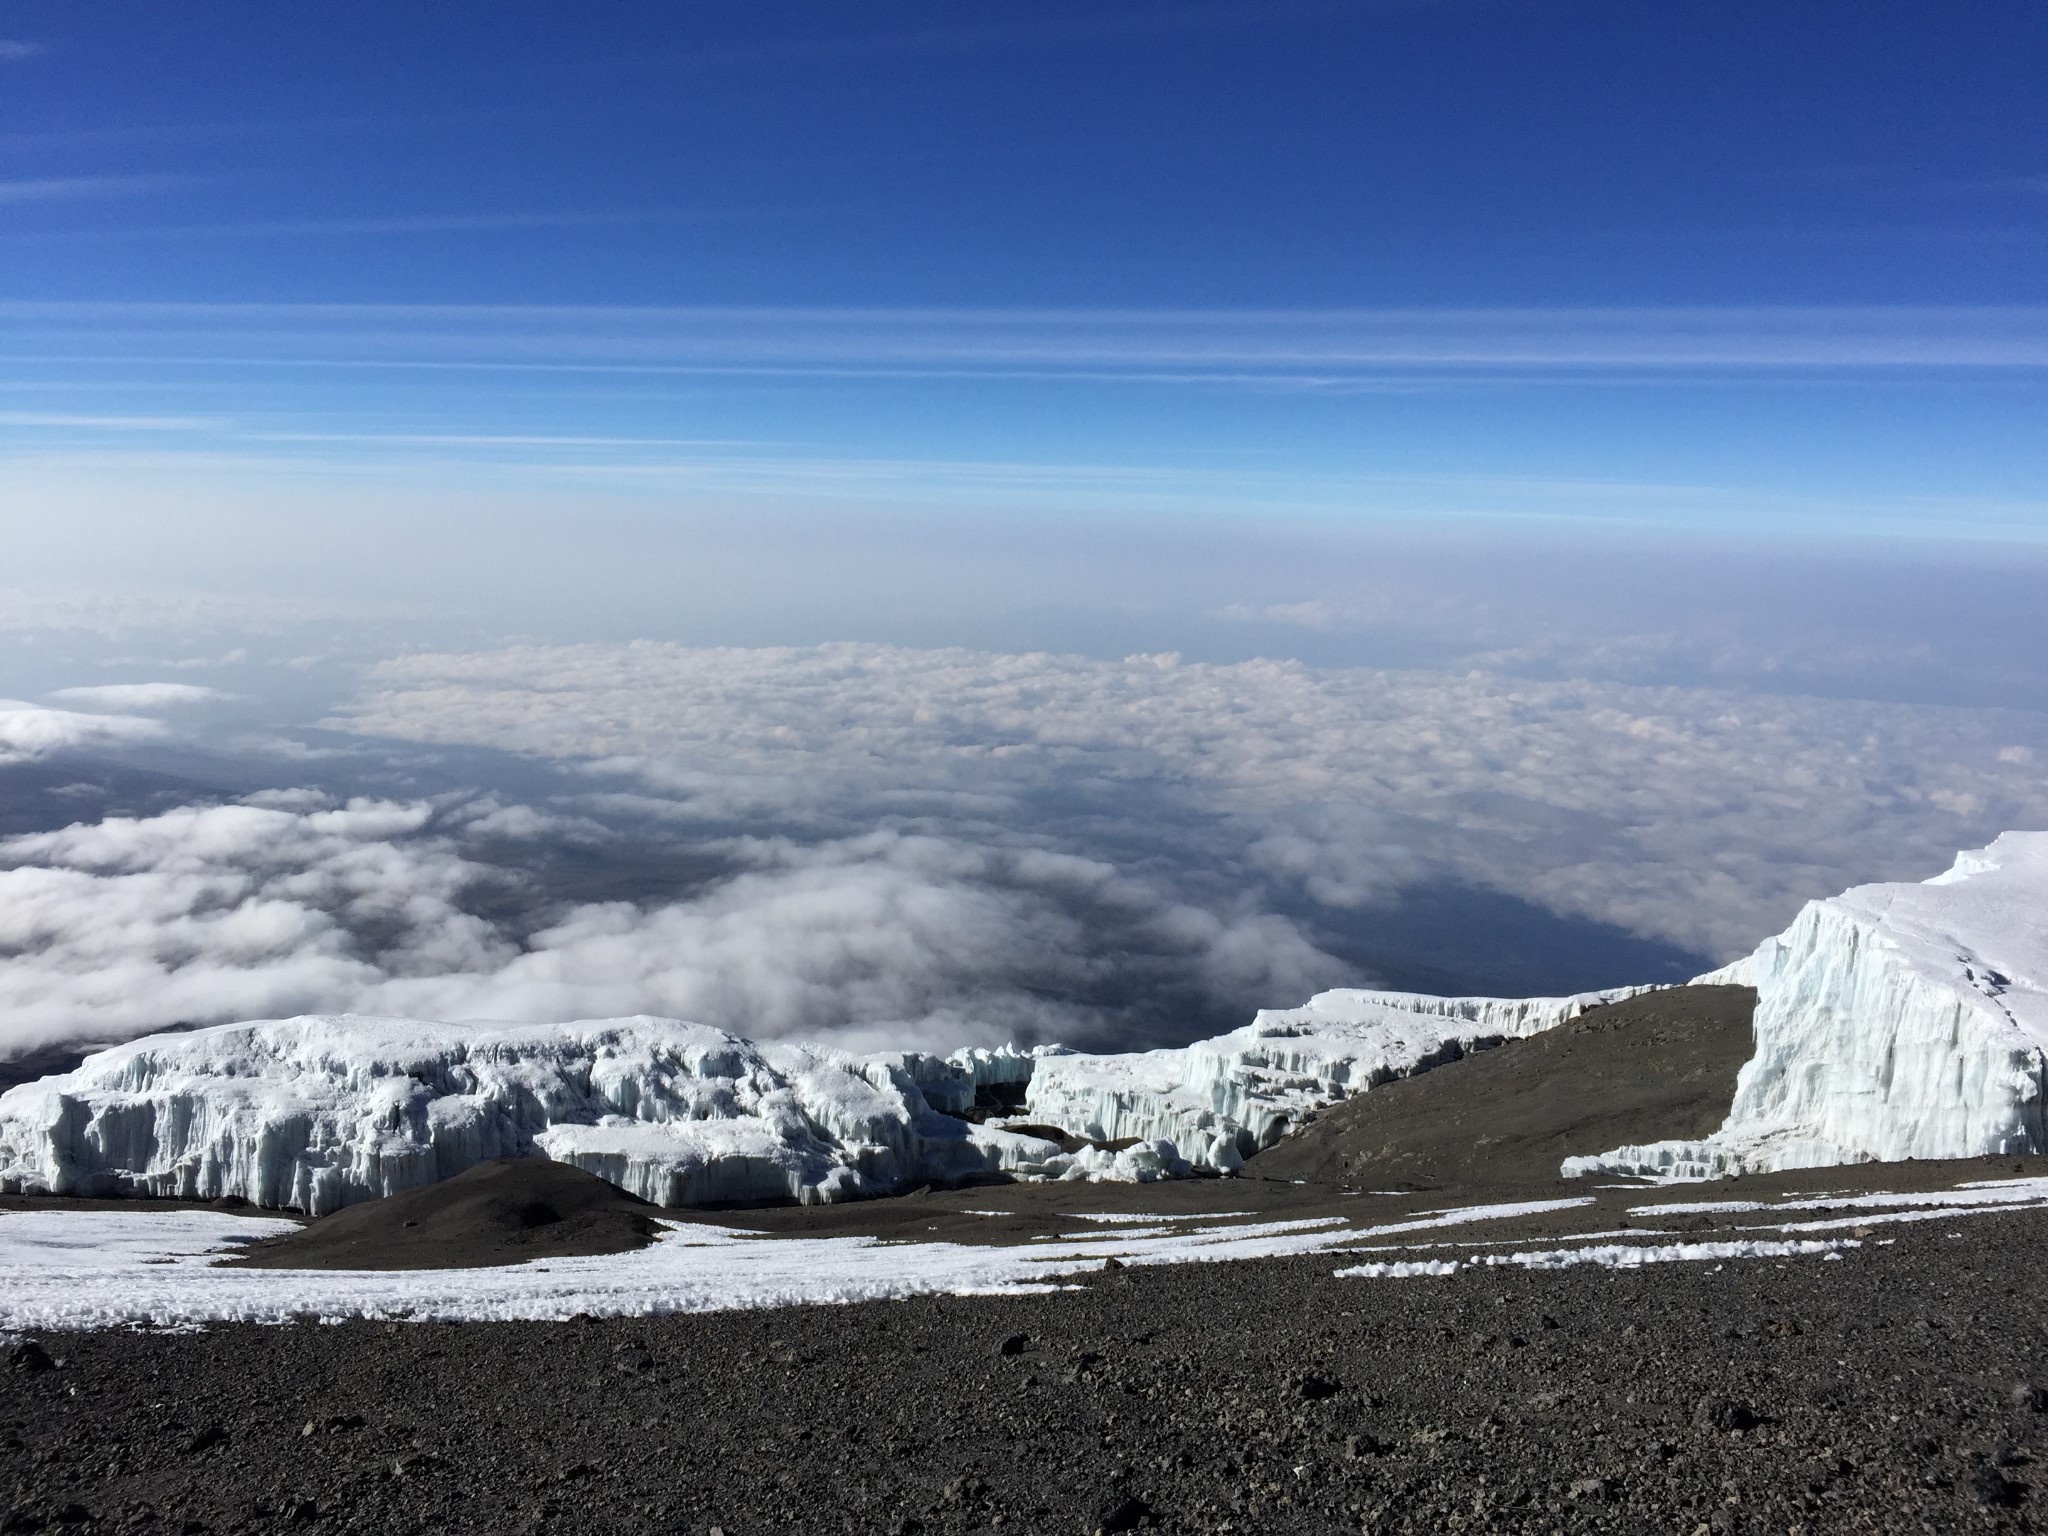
(1218, 1101)
(316, 1112)
(1892, 1021)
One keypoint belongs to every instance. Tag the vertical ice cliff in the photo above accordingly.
(317, 1112)
(1892, 1021)
(1220, 1100)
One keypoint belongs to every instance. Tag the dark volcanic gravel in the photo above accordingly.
(507, 1211)
(1902, 1388)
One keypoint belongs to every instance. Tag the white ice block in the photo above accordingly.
(1893, 1021)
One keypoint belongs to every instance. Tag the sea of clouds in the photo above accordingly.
(881, 844)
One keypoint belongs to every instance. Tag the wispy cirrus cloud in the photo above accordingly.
(1303, 346)
(406, 224)
(14, 49)
(66, 189)
(67, 420)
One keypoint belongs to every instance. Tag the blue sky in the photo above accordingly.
(954, 276)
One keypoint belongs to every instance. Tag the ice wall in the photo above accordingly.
(314, 1113)
(1893, 1021)
(1218, 1101)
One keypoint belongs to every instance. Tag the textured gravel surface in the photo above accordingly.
(1898, 1389)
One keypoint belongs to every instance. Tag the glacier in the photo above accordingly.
(1219, 1101)
(1893, 1021)
(314, 1113)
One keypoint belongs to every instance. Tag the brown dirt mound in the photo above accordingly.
(1657, 1066)
(503, 1212)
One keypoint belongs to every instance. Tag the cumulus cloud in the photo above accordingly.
(296, 904)
(127, 696)
(30, 731)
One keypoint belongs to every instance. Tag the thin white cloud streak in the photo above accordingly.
(141, 696)
(65, 189)
(402, 224)
(14, 49)
(811, 480)
(67, 421)
(1164, 341)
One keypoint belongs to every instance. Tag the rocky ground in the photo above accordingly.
(1901, 1388)
(508, 1211)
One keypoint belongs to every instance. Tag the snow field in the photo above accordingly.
(95, 1269)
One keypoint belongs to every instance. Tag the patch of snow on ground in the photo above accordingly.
(92, 1269)
(1120, 1216)
(1607, 1256)
(1979, 1192)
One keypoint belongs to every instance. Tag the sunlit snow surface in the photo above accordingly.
(93, 1269)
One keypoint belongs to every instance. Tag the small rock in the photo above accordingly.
(1015, 1344)
(1126, 1515)
(964, 1490)
(1313, 1386)
(2027, 1395)
(1993, 1487)
(206, 1440)
(1724, 1414)
(1594, 1490)
(30, 1356)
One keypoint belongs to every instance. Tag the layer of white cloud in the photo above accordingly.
(295, 904)
(1698, 816)
(867, 843)
(33, 730)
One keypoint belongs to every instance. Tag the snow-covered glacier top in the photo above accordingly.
(1983, 923)
(1893, 1021)
(319, 1111)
